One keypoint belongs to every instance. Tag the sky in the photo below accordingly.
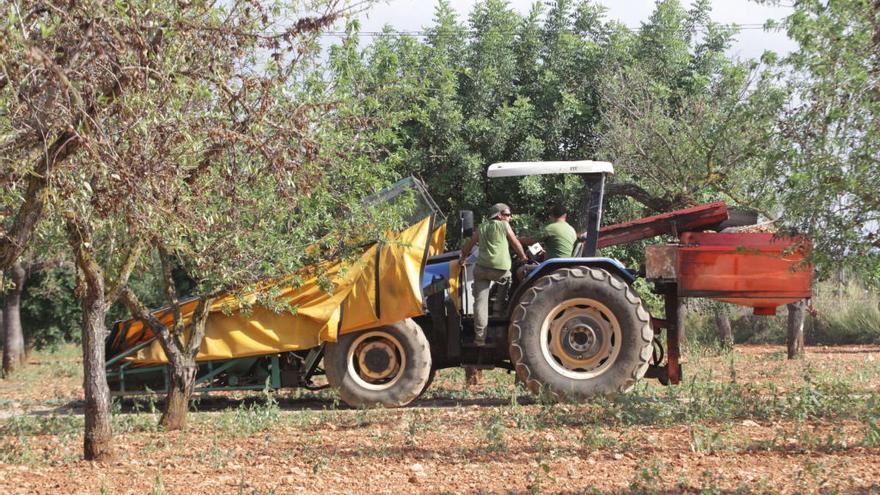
(409, 15)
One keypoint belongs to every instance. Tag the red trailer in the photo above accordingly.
(758, 270)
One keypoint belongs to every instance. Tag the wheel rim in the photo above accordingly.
(376, 360)
(580, 338)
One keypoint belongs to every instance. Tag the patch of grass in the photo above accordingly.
(250, 418)
(137, 420)
(33, 425)
(17, 451)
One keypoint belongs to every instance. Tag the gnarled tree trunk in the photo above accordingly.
(98, 439)
(180, 347)
(182, 382)
(795, 338)
(13, 337)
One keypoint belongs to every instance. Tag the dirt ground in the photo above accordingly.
(746, 421)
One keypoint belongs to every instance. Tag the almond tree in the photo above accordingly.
(830, 132)
(110, 111)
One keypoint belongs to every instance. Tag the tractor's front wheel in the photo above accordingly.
(387, 366)
(579, 332)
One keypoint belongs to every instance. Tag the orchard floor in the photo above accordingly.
(746, 421)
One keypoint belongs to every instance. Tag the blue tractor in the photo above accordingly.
(571, 327)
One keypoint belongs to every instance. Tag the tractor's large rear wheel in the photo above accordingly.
(579, 332)
(386, 366)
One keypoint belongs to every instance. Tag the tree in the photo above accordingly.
(14, 344)
(684, 123)
(829, 132)
(96, 93)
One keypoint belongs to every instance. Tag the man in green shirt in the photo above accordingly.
(493, 263)
(558, 236)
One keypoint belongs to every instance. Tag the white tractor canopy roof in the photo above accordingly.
(516, 169)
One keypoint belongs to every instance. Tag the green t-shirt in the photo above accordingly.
(494, 252)
(559, 238)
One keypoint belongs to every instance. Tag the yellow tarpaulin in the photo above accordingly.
(381, 287)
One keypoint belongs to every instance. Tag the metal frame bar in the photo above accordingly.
(596, 183)
(129, 352)
(274, 375)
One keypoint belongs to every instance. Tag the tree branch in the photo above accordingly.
(635, 192)
(79, 236)
(134, 254)
(171, 295)
(197, 334)
(139, 311)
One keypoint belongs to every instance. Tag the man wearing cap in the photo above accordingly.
(493, 263)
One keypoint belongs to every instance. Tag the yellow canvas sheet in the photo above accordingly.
(381, 287)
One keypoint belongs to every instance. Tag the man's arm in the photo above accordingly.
(466, 250)
(516, 245)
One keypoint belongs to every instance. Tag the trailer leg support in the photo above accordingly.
(673, 327)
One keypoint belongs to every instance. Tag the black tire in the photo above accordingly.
(402, 359)
(428, 383)
(578, 355)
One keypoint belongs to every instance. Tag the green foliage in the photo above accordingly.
(829, 132)
(50, 314)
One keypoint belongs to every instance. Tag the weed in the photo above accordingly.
(705, 439)
(648, 480)
(158, 485)
(414, 423)
(492, 429)
(541, 472)
(320, 464)
(594, 438)
(872, 432)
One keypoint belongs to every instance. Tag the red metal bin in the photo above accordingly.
(749, 269)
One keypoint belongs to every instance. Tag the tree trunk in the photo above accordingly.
(98, 438)
(796, 330)
(682, 320)
(183, 377)
(725, 332)
(180, 348)
(98, 441)
(13, 337)
(472, 376)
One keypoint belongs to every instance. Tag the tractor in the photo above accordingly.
(571, 328)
